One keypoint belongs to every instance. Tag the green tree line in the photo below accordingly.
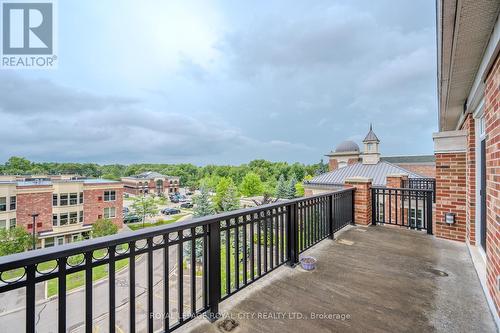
(190, 175)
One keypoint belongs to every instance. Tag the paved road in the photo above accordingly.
(13, 317)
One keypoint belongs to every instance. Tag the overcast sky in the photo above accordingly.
(226, 82)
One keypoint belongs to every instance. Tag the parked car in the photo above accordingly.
(125, 210)
(187, 205)
(130, 218)
(170, 211)
(174, 200)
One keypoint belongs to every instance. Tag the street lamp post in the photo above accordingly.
(34, 216)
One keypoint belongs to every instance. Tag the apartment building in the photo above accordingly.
(467, 146)
(61, 209)
(151, 183)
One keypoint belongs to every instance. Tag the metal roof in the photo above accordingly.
(347, 146)
(371, 136)
(150, 175)
(378, 172)
(410, 159)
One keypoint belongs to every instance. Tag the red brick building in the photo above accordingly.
(152, 183)
(65, 208)
(467, 146)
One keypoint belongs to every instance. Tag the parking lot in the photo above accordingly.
(185, 213)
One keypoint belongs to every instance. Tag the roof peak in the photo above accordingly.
(371, 135)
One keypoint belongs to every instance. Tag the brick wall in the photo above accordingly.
(352, 161)
(35, 202)
(362, 199)
(428, 170)
(492, 122)
(470, 160)
(398, 211)
(94, 204)
(332, 164)
(450, 195)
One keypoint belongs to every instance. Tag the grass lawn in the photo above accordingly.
(137, 226)
(74, 280)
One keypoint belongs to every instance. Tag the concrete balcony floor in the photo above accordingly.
(386, 279)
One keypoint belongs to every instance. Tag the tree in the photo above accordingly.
(251, 185)
(281, 188)
(202, 204)
(299, 189)
(14, 240)
(291, 192)
(144, 206)
(231, 201)
(321, 168)
(103, 227)
(226, 196)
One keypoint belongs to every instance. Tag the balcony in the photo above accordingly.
(243, 265)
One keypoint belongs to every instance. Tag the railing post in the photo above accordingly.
(292, 239)
(374, 205)
(353, 222)
(214, 278)
(429, 212)
(330, 216)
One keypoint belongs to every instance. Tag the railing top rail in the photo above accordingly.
(403, 189)
(34, 257)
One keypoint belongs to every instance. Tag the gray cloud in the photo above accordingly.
(289, 83)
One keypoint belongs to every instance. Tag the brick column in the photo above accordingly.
(450, 152)
(362, 199)
(395, 181)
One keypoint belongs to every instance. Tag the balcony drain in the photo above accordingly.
(438, 272)
(227, 325)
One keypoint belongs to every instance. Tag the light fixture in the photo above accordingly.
(449, 218)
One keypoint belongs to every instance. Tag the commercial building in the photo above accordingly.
(152, 183)
(58, 209)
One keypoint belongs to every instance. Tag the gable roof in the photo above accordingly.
(378, 172)
(150, 175)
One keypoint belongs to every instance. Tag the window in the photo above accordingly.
(73, 218)
(3, 204)
(54, 203)
(12, 223)
(12, 203)
(60, 240)
(109, 195)
(81, 217)
(81, 197)
(54, 220)
(63, 219)
(63, 199)
(342, 164)
(3, 224)
(49, 242)
(109, 212)
(73, 198)
(75, 237)
(416, 218)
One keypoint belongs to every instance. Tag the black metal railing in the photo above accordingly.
(406, 207)
(421, 184)
(159, 278)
